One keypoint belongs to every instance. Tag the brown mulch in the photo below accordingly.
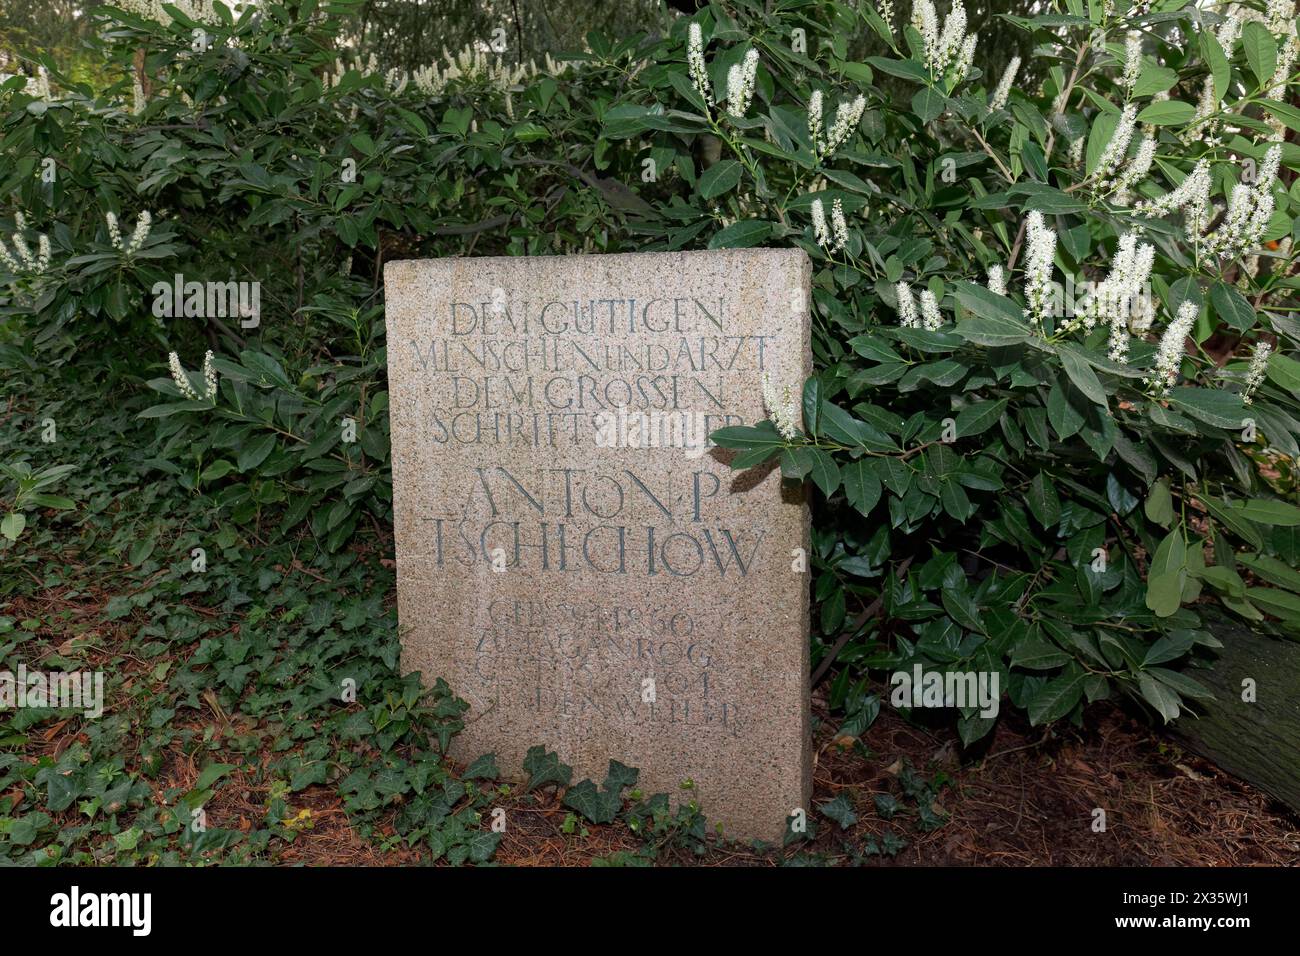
(1027, 797)
(1028, 800)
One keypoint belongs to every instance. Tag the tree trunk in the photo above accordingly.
(1257, 741)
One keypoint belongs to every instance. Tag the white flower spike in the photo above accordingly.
(1250, 207)
(839, 228)
(24, 262)
(740, 84)
(931, 317)
(1169, 356)
(907, 314)
(949, 47)
(1258, 369)
(114, 233)
(695, 63)
(815, 120)
(1132, 60)
(821, 234)
(1003, 91)
(847, 117)
(182, 380)
(997, 280)
(781, 408)
(1135, 170)
(1116, 150)
(141, 233)
(1040, 243)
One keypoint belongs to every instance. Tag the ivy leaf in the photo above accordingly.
(596, 805)
(891, 844)
(482, 844)
(22, 832)
(61, 789)
(484, 768)
(544, 767)
(886, 805)
(620, 777)
(840, 810)
(356, 726)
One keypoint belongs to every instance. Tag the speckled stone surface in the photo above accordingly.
(564, 555)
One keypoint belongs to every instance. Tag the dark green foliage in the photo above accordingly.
(1016, 500)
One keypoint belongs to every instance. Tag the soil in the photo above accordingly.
(1029, 800)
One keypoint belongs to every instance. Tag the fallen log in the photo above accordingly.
(1254, 736)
